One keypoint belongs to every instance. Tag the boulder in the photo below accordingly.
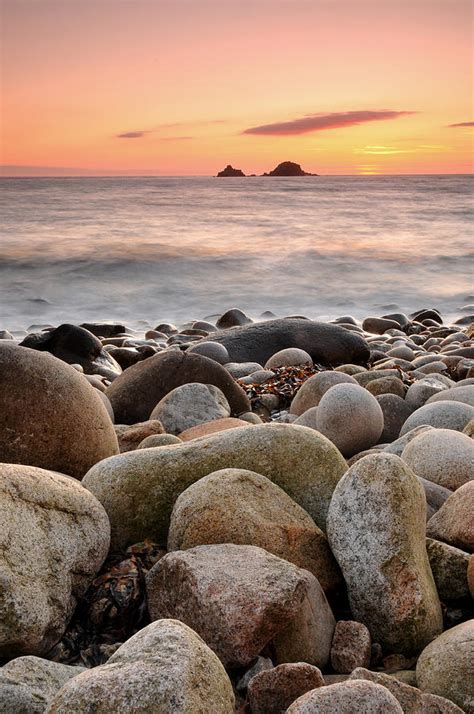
(419, 392)
(463, 394)
(443, 456)
(397, 446)
(441, 415)
(49, 415)
(138, 390)
(54, 538)
(299, 460)
(376, 530)
(347, 698)
(309, 418)
(212, 427)
(154, 440)
(325, 343)
(28, 684)
(245, 508)
(291, 356)
(351, 646)
(190, 405)
(240, 598)
(75, 345)
(350, 417)
(454, 522)
(387, 385)
(166, 667)
(272, 691)
(312, 390)
(435, 496)
(212, 350)
(445, 666)
(449, 567)
(395, 412)
(131, 435)
(411, 699)
(232, 318)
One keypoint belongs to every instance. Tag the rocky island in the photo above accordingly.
(286, 168)
(229, 171)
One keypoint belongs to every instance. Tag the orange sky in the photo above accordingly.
(341, 86)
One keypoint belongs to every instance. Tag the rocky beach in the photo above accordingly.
(255, 514)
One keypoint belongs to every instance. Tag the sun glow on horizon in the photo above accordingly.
(132, 87)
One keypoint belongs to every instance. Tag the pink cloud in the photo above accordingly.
(321, 122)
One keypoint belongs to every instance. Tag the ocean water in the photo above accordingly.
(132, 249)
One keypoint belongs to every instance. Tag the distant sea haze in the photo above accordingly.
(131, 249)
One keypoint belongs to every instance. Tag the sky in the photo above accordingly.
(185, 87)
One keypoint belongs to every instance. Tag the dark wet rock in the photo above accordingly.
(104, 329)
(379, 325)
(229, 171)
(232, 318)
(137, 391)
(75, 345)
(427, 314)
(395, 413)
(325, 343)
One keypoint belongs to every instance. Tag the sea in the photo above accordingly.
(146, 250)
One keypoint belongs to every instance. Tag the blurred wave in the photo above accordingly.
(75, 249)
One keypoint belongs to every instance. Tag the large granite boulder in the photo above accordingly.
(240, 598)
(440, 415)
(443, 456)
(453, 523)
(75, 345)
(191, 405)
(376, 530)
(445, 666)
(28, 684)
(347, 698)
(245, 508)
(325, 343)
(166, 667)
(138, 489)
(411, 699)
(49, 415)
(138, 390)
(54, 537)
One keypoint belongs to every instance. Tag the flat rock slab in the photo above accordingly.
(325, 343)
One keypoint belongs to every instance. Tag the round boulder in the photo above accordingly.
(347, 698)
(210, 349)
(441, 415)
(49, 415)
(245, 508)
(138, 390)
(290, 357)
(445, 666)
(443, 456)
(166, 667)
(350, 417)
(189, 405)
(310, 393)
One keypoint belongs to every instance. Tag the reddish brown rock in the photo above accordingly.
(239, 598)
(351, 646)
(272, 691)
(211, 427)
(454, 522)
(129, 437)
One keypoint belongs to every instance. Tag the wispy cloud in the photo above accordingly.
(140, 133)
(322, 122)
(461, 124)
(382, 150)
(132, 135)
